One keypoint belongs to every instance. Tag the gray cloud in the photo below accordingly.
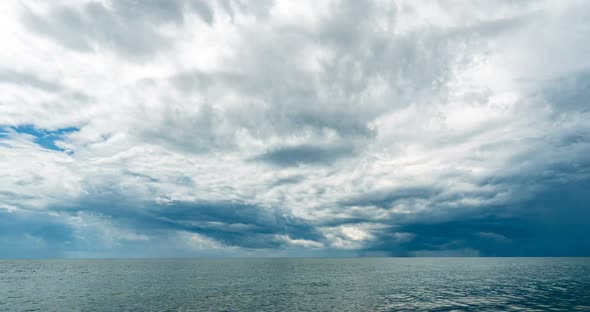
(341, 127)
(305, 154)
(548, 224)
(27, 79)
(33, 234)
(570, 93)
(386, 198)
(127, 28)
(203, 10)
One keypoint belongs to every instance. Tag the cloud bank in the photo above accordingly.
(282, 128)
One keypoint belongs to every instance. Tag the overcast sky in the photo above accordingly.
(294, 128)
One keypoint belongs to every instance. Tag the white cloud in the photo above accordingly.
(329, 112)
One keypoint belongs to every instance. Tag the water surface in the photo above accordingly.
(366, 284)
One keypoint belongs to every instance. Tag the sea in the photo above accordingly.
(355, 284)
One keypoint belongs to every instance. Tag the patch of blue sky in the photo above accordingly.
(45, 138)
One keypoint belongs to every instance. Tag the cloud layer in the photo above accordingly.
(281, 128)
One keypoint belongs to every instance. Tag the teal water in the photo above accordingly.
(366, 284)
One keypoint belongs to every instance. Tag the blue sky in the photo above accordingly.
(194, 128)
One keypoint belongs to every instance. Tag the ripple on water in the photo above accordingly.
(471, 284)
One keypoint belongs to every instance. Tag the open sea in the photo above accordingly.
(364, 284)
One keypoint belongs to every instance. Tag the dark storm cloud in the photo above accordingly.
(552, 223)
(467, 232)
(227, 222)
(236, 224)
(33, 234)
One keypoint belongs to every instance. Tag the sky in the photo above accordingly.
(193, 128)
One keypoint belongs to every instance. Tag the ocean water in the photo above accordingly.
(366, 284)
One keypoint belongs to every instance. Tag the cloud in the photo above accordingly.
(202, 128)
(26, 79)
(45, 138)
(125, 27)
(304, 154)
(32, 235)
(386, 198)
